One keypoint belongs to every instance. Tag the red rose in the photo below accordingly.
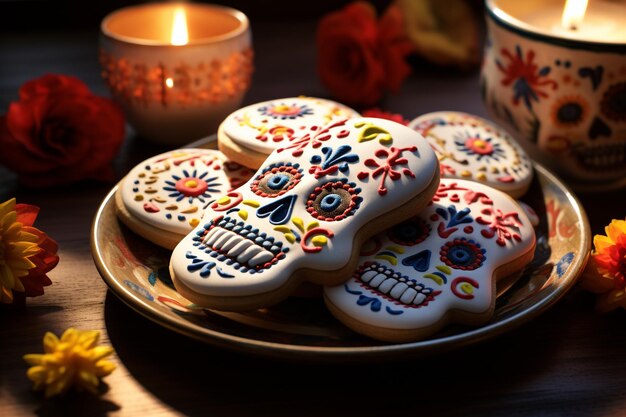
(381, 114)
(358, 58)
(59, 132)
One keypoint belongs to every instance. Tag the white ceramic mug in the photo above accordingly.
(561, 94)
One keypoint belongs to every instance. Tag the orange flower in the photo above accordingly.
(26, 253)
(606, 272)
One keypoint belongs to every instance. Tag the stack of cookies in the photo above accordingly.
(404, 229)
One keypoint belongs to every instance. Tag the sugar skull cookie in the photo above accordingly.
(250, 134)
(163, 198)
(439, 267)
(472, 148)
(304, 214)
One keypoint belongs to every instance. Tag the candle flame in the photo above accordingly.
(573, 13)
(179, 28)
(169, 82)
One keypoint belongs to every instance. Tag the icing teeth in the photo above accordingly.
(238, 248)
(261, 258)
(419, 299)
(248, 253)
(377, 280)
(408, 296)
(367, 276)
(231, 243)
(242, 246)
(398, 290)
(393, 285)
(386, 286)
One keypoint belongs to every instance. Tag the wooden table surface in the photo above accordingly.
(569, 361)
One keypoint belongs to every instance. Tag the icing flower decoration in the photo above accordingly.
(606, 271)
(26, 253)
(381, 114)
(443, 32)
(74, 360)
(58, 132)
(360, 57)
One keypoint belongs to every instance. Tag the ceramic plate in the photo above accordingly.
(137, 272)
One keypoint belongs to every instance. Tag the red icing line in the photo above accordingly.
(311, 233)
(508, 179)
(151, 208)
(463, 280)
(443, 233)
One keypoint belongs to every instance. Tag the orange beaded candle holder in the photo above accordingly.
(176, 69)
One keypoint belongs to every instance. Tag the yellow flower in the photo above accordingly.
(606, 271)
(16, 246)
(74, 360)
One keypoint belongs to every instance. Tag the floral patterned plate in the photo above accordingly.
(137, 272)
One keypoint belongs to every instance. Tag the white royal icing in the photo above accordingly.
(303, 208)
(170, 191)
(442, 260)
(268, 125)
(473, 148)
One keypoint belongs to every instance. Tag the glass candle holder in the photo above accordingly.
(177, 70)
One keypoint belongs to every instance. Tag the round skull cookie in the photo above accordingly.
(472, 148)
(304, 214)
(163, 198)
(437, 268)
(250, 134)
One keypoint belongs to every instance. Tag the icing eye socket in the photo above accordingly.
(410, 232)
(334, 201)
(462, 254)
(276, 180)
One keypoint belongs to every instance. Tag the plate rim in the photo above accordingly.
(284, 350)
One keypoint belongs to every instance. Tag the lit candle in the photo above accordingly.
(176, 69)
(595, 21)
(554, 73)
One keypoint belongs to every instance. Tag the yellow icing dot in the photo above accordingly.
(290, 237)
(298, 222)
(191, 183)
(466, 174)
(444, 268)
(243, 214)
(312, 225)
(138, 197)
(479, 143)
(481, 177)
(251, 203)
(319, 241)
(495, 170)
(194, 222)
(435, 278)
(223, 200)
(466, 288)
(388, 258)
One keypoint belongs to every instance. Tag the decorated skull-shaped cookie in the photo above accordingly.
(438, 267)
(301, 215)
(166, 194)
(472, 148)
(265, 126)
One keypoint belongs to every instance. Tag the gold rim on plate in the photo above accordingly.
(136, 271)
